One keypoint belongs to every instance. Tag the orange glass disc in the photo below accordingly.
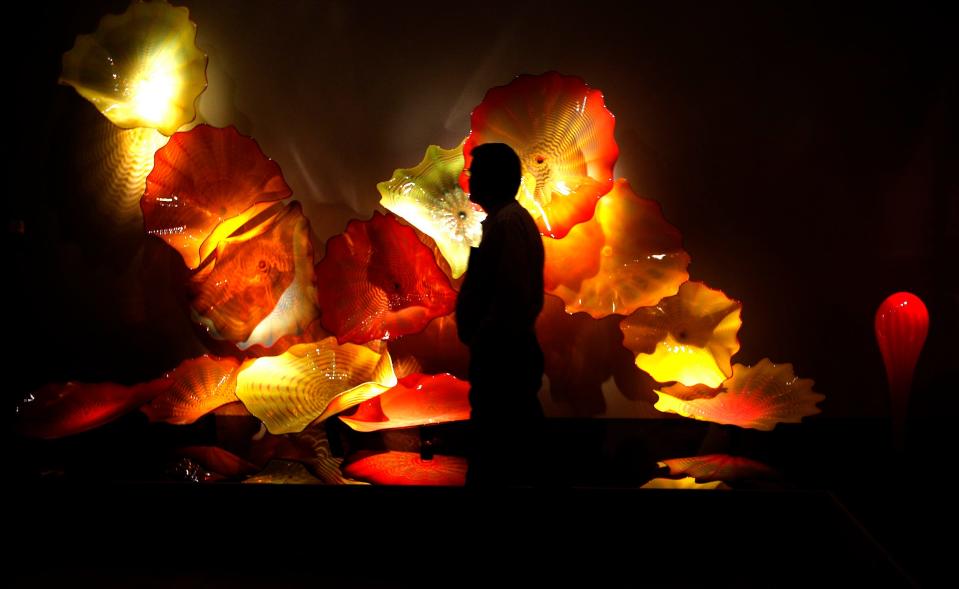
(563, 134)
(406, 468)
(418, 399)
(378, 281)
(203, 180)
(689, 337)
(718, 467)
(756, 397)
(627, 256)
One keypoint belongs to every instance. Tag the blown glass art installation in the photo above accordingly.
(627, 256)
(688, 338)
(378, 281)
(303, 340)
(206, 183)
(756, 397)
(430, 198)
(141, 68)
(563, 134)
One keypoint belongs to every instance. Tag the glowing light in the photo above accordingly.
(141, 68)
(687, 483)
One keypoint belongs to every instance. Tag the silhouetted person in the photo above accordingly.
(497, 307)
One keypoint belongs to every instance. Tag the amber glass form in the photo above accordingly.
(378, 281)
(627, 256)
(64, 409)
(430, 198)
(418, 399)
(141, 68)
(203, 187)
(718, 467)
(252, 274)
(688, 338)
(310, 382)
(406, 468)
(198, 386)
(563, 134)
(756, 397)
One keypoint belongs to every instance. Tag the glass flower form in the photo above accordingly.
(219, 461)
(379, 281)
(283, 472)
(718, 467)
(259, 286)
(141, 68)
(563, 134)
(64, 409)
(406, 468)
(756, 397)
(686, 483)
(310, 382)
(198, 386)
(205, 184)
(627, 256)
(418, 399)
(430, 198)
(689, 337)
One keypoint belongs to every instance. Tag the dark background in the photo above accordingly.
(805, 151)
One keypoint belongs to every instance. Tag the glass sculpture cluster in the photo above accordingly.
(316, 339)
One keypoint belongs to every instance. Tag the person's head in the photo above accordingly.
(494, 175)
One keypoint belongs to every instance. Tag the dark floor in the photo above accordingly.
(846, 509)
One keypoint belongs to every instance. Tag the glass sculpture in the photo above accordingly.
(756, 397)
(563, 134)
(378, 281)
(406, 468)
(718, 467)
(64, 409)
(253, 273)
(141, 68)
(197, 387)
(418, 399)
(207, 183)
(430, 198)
(310, 382)
(627, 256)
(688, 338)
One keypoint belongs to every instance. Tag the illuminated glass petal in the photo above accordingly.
(689, 337)
(310, 382)
(260, 286)
(563, 134)
(207, 183)
(141, 68)
(219, 460)
(378, 281)
(64, 409)
(627, 256)
(718, 467)
(430, 198)
(418, 399)
(687, 483)
(406, 468)
(198, 386)
(756, 397)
